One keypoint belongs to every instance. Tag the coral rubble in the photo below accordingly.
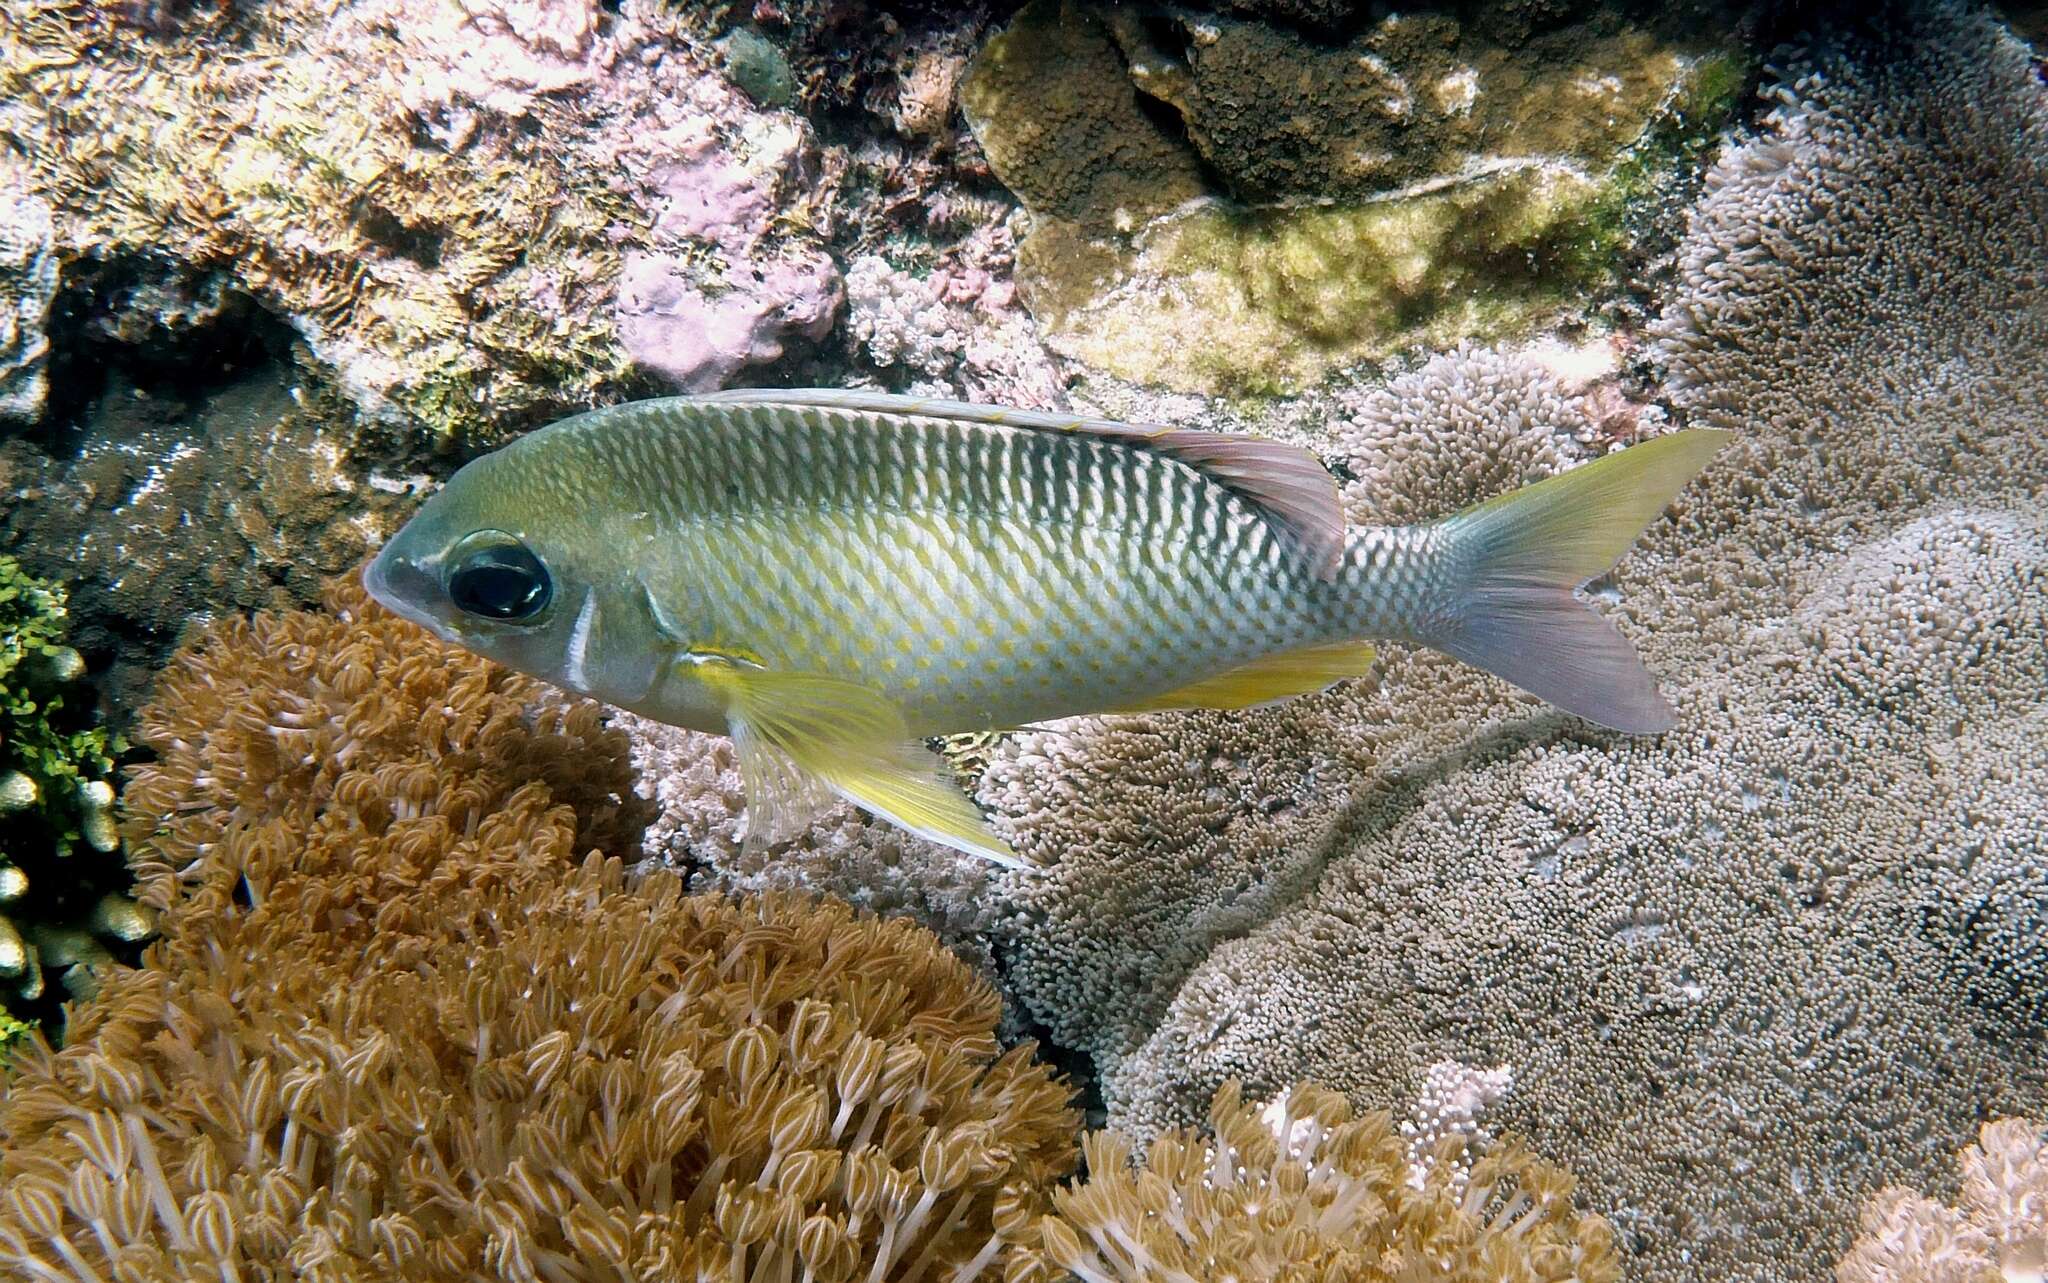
(1303, 204)
(1748, 946)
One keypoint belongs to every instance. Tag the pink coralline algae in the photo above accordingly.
(696, 325)
(958, 330)
(446, 199)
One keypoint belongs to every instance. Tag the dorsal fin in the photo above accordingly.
(1287, 483)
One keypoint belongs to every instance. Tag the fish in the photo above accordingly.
(832, 577)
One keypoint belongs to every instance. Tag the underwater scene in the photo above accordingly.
(1023, 641)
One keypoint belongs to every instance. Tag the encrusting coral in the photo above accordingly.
(62, 881)
(1751, 945)
(1306, 203)
(158, 508)
(1997, 1232)
(395, 1029)
(1302, 1192)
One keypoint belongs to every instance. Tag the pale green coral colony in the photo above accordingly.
(1411, 978)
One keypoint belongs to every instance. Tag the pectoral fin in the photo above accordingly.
(796, 732)
(1266, 680)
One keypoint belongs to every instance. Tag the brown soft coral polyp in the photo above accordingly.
(1332, 1202)
(397, 1029)
(603, 1081)
(353, 748)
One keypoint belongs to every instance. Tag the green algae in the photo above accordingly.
(758, 67)
(61, 869)
(46, 738)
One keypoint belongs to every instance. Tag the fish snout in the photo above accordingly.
(406, 589)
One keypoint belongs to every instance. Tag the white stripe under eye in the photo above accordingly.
(579, 638)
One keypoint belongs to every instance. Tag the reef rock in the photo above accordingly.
(1744, 948)
(28, 282)
(1303, 204)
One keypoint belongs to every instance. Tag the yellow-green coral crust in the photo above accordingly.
(1326, 204)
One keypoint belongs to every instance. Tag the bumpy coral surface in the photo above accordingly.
(480, 214)
(1746, 947)
(1305, 203)
(351, 746)
(1301, 1192)
(394, 1029)
(164, 509)
(1997, 1230)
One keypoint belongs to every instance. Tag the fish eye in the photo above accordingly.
(494, 576)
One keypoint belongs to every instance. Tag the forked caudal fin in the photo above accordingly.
(1524, 554)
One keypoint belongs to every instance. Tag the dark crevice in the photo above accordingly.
(1071, 1063)
(422, 245)
(136, 323)
(1167, 119)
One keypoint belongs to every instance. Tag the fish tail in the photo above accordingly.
(1517, 559)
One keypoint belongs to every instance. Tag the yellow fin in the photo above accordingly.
(1267, 679)
(796, 730)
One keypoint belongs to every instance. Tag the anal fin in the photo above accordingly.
(1266, 680)
(796, 731)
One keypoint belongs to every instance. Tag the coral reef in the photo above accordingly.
(479, 214)
(485, 1056)
(62, 881)
(697, 319)
(1305, 205)
(1712, 951)
(1449, 1106)
(596, 1081)
(1998, 1229)
(351, 746)
(954, 330)
(1303, 1192)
